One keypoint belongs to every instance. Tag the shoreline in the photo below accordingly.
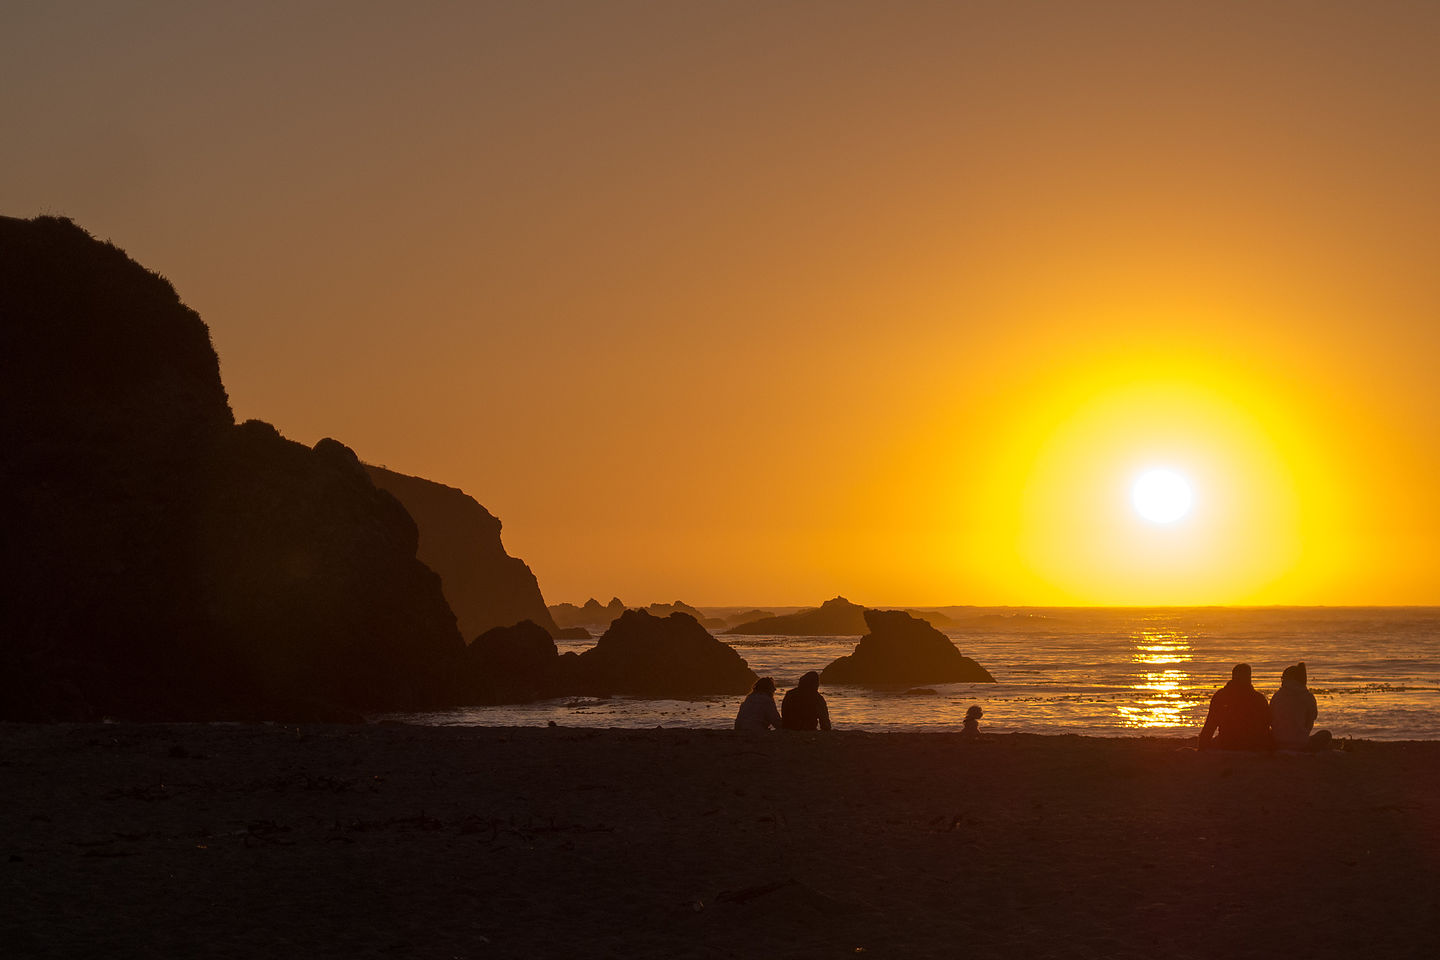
(391, 839)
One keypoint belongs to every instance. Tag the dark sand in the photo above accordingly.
(395, 841)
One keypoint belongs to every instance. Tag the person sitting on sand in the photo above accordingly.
(1293, 711)
(757, 711)
(1240, 715)
(970, 729)
(803, 707)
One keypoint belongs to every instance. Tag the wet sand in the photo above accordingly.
(399, 841)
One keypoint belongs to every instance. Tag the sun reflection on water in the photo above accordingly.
(1166, 698)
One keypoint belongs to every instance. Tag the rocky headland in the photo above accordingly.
(460, 540)
(162, 561)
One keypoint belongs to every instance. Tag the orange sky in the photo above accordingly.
(764, 302)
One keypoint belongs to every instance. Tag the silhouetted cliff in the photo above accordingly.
(901, 650)
(160, 561)
(460, 540)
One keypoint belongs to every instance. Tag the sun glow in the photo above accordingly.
(1161, 496)
(1153, 478)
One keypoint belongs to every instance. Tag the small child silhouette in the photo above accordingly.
(971, 729)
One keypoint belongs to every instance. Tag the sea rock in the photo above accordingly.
(161, 562)
(648, 656)
(511, 664)
(571, 633)
(835, 618)
(901, 650)
(460, 540)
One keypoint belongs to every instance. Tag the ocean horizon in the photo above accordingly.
(1092, 671)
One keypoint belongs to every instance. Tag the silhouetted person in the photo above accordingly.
(970, 729)
(757, 711)
(803, 707)
(1292, 713)
(1240, 714)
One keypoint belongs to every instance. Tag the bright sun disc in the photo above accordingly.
(1161, 496)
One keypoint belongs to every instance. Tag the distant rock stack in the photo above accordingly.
(591, 614)
(460, 540)
(680, 606)
(835, 618)
(901, 650)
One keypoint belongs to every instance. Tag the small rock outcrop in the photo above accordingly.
(460, 540)
(646, 656)
(835, 618)
(901, 650)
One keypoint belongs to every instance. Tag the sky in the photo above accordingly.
(768, 302)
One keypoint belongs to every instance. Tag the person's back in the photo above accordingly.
(1293, 711)
(1239, 717)
(804, 707)
(757, 712)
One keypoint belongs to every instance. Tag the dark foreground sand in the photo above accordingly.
(395, 841)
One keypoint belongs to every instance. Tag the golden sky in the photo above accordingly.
(763, 302)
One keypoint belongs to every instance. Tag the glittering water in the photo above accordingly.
(1375, 673)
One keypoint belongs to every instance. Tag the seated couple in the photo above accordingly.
(803, 708)
(1240, 719)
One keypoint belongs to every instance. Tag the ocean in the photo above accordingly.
(1375, 673)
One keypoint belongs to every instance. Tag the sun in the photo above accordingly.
(1161, 496)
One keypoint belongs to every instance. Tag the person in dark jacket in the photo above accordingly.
(1239, 717)
(1293, 711)
(803, 707)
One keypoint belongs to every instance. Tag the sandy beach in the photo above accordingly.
(402, 841)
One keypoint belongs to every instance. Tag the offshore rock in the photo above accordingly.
(901, 650)
(646, 656)
(512, 664)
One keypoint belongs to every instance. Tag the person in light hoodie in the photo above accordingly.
(1293, 711)
(758, 712)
